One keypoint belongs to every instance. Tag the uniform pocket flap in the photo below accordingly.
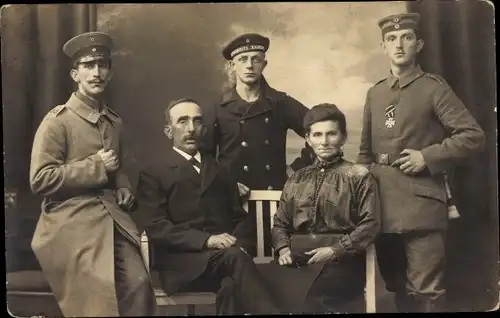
(423, 191)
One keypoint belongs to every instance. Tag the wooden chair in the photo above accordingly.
(260, 198)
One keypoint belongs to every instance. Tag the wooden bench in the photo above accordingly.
(271, 197)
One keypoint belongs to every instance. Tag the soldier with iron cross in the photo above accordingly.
(249, 123)
(415, 129)
(85, 241)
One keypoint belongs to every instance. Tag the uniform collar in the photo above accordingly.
(267, 92)
(415, 73)
(88, 109)
(188, 156)
(89, 101)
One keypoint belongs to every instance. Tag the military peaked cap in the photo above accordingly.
(88, 47)
(400, 22)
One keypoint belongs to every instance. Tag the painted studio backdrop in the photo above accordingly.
(323, 52)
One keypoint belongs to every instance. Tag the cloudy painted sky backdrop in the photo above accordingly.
(319, 52)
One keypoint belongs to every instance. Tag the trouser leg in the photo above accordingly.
(134, 289)
(250, 290)
(226, 303)
(392, 262)
(425, 272)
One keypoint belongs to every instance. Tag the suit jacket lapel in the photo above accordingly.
(208, 172)
(186, 168)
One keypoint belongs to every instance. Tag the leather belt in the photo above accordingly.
(385, 158)
(89, 192)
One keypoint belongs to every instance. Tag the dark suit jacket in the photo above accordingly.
(182, 208)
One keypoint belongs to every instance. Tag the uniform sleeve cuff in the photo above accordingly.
(279, 248)
(101, 167)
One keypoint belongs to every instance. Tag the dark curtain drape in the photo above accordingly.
(35, 78)
(460, 46)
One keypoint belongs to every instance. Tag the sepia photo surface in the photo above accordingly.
(334, 54)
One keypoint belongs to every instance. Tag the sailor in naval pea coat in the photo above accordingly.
(249, 137)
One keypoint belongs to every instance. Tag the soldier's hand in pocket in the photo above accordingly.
(125, 199)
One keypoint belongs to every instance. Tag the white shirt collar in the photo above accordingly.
(188, 156)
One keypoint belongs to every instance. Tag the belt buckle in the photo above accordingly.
(383, 158)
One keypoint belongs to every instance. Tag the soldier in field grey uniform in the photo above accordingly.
(415, 129)
(85, 240)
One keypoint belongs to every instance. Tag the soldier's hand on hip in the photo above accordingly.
(411, 163)
(110, 159)
(221, 241)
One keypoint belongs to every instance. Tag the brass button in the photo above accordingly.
(266, 120)
(245, 168)
(244, 144)
(242, 122)
(322, 170)
(266, 142)
(270, 188)
(268, 167)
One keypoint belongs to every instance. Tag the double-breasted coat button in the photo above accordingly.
(266, 142)
(266, 119)
(242, 121)
(244, 144)
(270, 188)
(268, 167)
(245, 168)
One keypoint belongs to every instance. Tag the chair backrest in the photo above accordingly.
(272, 198)
(262, 198)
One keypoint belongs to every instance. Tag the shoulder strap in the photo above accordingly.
(435, 77)
(54, 112)
(380, 81)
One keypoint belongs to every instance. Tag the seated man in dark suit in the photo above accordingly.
(196, 225)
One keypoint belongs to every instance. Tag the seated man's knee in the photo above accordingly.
(236, 253)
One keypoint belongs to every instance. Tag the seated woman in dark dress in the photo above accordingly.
(328, 215)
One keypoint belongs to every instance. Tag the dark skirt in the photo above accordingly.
(319, 288)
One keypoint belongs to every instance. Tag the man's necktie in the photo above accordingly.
(195, 162)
